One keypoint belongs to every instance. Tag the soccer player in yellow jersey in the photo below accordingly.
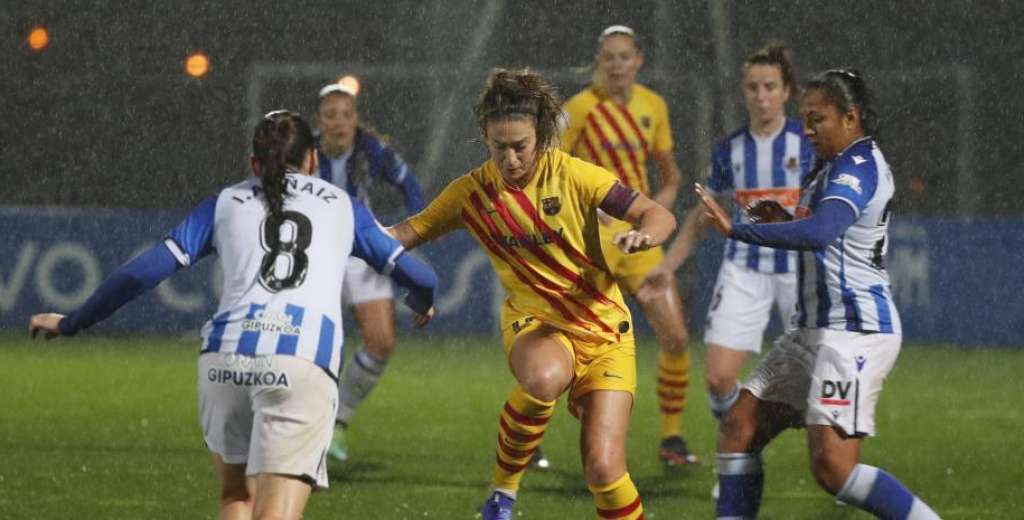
(565, 327)
(621, 125)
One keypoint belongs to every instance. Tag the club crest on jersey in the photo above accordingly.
(846, 179)
(551, 205)
(737, 168)
(645, 121)
(792, 164)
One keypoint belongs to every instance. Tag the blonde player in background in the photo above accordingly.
(620, 125)
(565, 326)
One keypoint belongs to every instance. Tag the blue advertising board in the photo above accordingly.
(955, 281)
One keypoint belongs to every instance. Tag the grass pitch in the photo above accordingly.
(97, 427)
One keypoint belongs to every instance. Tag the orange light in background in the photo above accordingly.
(38, 38)
(197, 64)
(350, 83)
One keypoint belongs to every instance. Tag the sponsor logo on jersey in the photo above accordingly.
(846, 179)
(539, 238)
(226, 376)
(859, 160)
(551, 205)
(264, 321)
(835, 393)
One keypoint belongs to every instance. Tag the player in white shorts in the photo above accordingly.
(271, 354)
(354, 158)
(827, 374)
(766, 160)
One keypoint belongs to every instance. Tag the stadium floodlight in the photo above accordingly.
(350, 83)
(38, 38)
(197, 64)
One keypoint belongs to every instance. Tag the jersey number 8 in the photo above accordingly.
(286, 268)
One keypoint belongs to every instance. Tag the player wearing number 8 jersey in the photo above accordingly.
(271, 354)
(565, 327)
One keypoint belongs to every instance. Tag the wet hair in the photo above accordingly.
(775, 53)
(282, 141)
(520, 94)
(846, 89)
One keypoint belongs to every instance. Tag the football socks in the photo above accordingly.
(618, 500)
(522, 423)
(720, 405)
(673, 388)
(877, 492)
(740, 483)
(356, 382)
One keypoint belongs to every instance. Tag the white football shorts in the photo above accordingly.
(273, 413)
(833, 377)
(363, 284)
(741, 306)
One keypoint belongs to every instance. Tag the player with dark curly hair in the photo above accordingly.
(565, 326)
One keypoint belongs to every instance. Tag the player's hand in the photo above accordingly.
(656, 284)
(632, 241)
(714, 214)
(767, 211)
(48, 324)
(421, 320)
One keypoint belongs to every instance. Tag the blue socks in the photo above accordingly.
(740, 483)
(877, 492)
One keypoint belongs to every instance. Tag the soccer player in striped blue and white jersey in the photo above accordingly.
(353, 158)
(827, 374)
(272, 353)
(765, 160)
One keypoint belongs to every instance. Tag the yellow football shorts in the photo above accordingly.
(629, 269)
(596, 366)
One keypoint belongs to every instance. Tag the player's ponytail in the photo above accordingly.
(280, 144)
(775, 53)
(521, 93)
(846, 89)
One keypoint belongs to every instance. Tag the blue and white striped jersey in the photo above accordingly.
(371, 159)
(285, 303)
(845, 286)
(753, 168)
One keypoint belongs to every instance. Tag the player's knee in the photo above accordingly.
(545, 382)
(676, 340)
(719, 382)
(602, 467)
(829, 472)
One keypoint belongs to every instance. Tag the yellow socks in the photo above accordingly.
(618, 500)
(673, 389)
(523, 421)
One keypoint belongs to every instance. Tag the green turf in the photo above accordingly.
(107, 428)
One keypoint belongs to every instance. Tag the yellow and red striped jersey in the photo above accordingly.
(618, 137)
(542, 240)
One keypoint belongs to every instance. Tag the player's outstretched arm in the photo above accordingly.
(129, 281)
(829, 221)
(421, 281)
